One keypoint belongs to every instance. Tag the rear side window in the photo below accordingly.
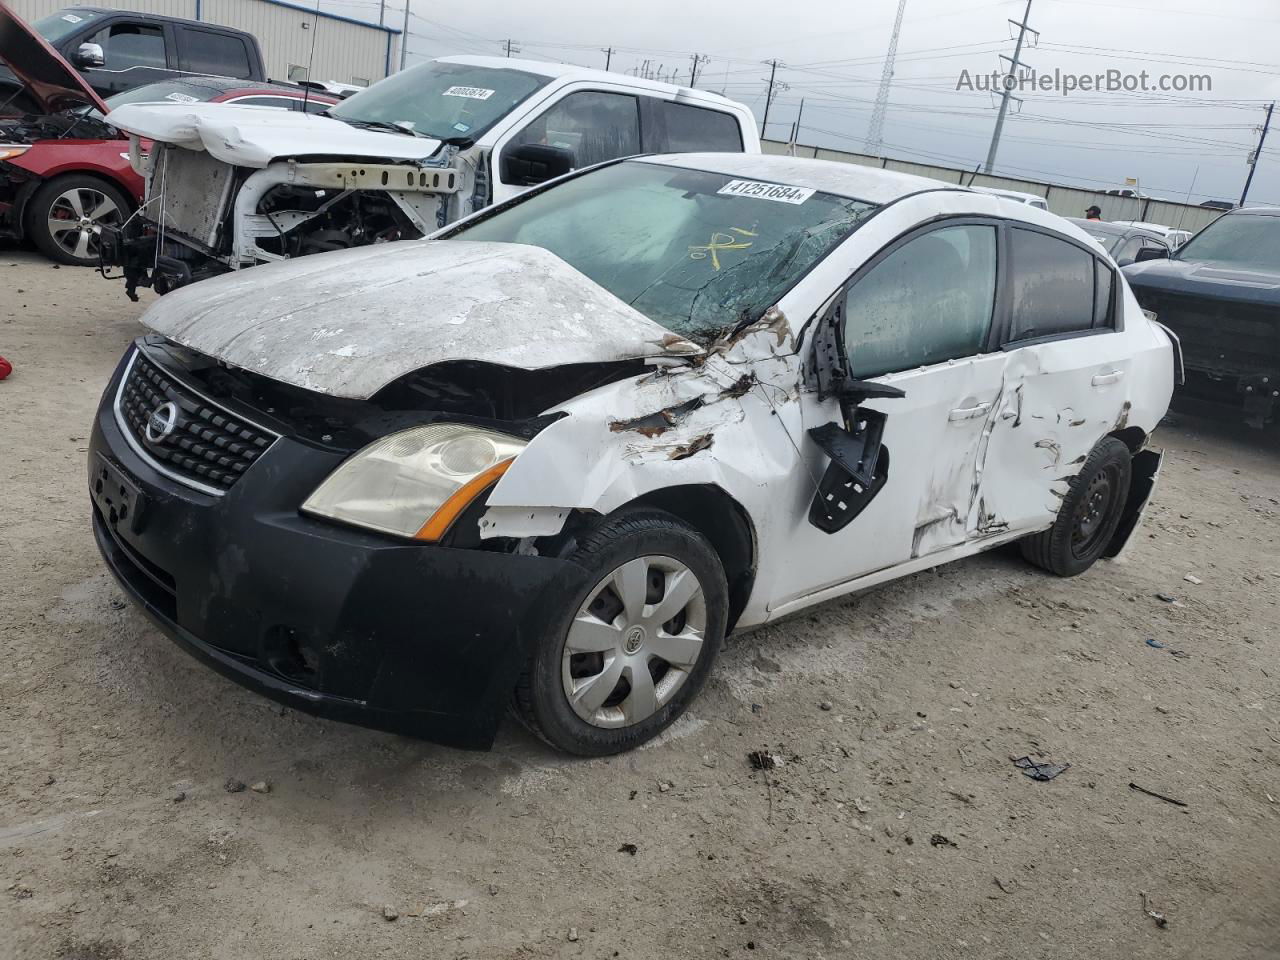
(928, 301)
(1104, 288)
(1053, 286)
(202, 51)
(697, 129)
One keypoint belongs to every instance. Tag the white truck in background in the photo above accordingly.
(231, 187)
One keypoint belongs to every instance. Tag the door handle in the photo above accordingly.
(968, 413)
(1102, 379)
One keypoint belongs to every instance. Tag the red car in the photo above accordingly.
(64, 171)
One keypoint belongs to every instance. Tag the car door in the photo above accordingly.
(593, 125)
(1065, 382)
(918, 317)
(134, 52)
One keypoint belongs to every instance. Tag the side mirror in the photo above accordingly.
(90, 55)
(1151, 253)
(528, 164)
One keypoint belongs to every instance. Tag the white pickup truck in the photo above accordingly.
(229, 187)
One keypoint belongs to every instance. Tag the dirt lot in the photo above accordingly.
(895, 824)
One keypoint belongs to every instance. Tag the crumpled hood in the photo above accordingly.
(350, 322)
(47, 78)
(1204, 280)
(254, 136)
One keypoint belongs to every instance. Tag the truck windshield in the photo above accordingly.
(699, 252)
(441, 100)
(57, 26)
(1237, 240)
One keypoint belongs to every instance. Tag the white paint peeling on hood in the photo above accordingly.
(350, 322)
(248, 136)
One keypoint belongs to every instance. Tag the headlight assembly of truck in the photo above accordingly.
(417, 482)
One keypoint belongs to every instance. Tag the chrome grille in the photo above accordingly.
(201, 444)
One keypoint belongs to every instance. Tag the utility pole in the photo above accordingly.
(795, 128)
(768, 100)
(511, 49)
(404, 36)
(875, 130)
(382, 11)
(1257, 153)
(608, 56)
(1007, 83)
(697, 58)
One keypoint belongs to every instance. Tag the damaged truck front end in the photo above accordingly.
(203, 216)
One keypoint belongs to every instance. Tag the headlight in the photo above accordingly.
(8, 151)
(417, 482)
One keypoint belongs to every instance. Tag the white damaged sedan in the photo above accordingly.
(550, 457)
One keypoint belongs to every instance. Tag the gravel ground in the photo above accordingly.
(894, 824)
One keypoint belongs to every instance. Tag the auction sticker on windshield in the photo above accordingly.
(767, 191)
(471, 93)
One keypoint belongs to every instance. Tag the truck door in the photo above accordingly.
(134, 52)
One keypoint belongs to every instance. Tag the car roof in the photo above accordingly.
(1254, 212)
(844, 179)
(1117, 228)
(573, 71)
(152, 15)
(1002, 192)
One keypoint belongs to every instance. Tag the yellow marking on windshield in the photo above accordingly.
(721, 241)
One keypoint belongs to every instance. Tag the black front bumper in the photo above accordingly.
(417, 639)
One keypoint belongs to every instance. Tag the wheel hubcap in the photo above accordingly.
(76, 218)
(634, 641)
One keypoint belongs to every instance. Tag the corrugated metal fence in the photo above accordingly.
(1062, 200)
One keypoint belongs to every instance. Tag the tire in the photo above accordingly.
(82, 202)
(630, 676)
(1089, 515)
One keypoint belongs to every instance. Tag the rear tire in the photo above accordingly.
(1089, 514)
(62, 214)
(622, 657)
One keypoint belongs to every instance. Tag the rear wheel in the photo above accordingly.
(65, 215)
(1089, 514)
(625, 655)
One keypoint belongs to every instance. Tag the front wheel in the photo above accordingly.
(1089, 514)
(65, 217)
(623, 656)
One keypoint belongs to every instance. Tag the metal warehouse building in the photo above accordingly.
(346, 50)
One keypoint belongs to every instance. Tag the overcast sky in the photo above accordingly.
(834, 53)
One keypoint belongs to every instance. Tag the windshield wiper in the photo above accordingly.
(395, 126)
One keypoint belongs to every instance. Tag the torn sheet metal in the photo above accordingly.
(246, 136)
(391, 310)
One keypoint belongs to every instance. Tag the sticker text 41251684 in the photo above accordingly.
(766, 191)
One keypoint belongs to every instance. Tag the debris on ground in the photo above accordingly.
(1166, 598)
(1192, 578)
(573, 934)
(1161, 920)
(756, 707)
(178, 796)
(825, 705)
(493, 889)
(260, 787)
(6, 368)
(761, 760)
(1152, 642)
(938, 840)
(117, 603)
(1037, 770)
(664, 786)
(1158, 796)
(233, 785)
(630, 848)
(389, 912)
(1006, 886)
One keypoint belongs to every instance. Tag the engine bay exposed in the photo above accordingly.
(329, 219)
(31, 127)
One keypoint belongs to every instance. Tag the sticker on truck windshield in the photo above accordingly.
(71, 18)
(181, 98)
(767, 191)
(471, 93)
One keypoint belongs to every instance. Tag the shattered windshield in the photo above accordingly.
(698, 252)
(441, 100)
(1248, 241)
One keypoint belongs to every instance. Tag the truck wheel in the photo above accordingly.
(64, 214)
(624, 655)
(1089, 514)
